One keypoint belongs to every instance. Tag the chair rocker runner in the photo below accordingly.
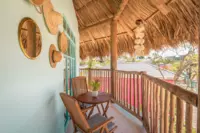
(95, 124)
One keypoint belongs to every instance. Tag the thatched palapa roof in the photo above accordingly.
(170, 24)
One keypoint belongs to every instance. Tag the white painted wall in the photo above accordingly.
(29, 89)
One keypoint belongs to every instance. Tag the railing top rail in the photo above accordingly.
(183, 94)
(95, 69)
(134, 72)
(130, 72)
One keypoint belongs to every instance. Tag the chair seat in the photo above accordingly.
(85, 105)
(97, 119)
(79, 117)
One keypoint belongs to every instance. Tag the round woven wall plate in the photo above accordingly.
(62, 42)
(52, 18)
(37, 2)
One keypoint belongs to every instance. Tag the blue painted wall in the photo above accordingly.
(29, 89)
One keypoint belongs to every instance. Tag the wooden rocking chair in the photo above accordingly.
(96, 124)
(79, 86)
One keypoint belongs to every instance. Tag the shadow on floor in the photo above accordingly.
(125, 121)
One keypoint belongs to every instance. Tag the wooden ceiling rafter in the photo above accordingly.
(157, 11)
(105, 37)
(162, 29)
(120, 9)
(112, 6)
(106, 20)
(151, 16)
(161, 6)
(115, 16)
(86, 5)
(117, 12)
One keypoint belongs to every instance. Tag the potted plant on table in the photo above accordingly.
(95, 85)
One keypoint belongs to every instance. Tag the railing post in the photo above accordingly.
(113, 54)
(198, 112)
(89, 78)
(144, 117)
(142, 87)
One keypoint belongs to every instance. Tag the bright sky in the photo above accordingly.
(172, 52)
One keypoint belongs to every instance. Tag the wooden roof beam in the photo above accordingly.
(117, 9)
(86, 5)
(120, 9)
(91, 37)
(108, 20)
(126, 27)
(161, 6)
(151, 16)
(112, 5)
(105, 37)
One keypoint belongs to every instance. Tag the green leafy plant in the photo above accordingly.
(91, 63)
(95, 84)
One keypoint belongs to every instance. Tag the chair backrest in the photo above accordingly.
(79, 85)
(73, 108)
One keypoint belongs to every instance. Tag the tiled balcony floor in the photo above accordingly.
(126, 122)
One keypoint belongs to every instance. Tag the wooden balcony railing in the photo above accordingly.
(161, 106)
(104, 75)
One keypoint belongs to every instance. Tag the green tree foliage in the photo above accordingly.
(159, 59)
(182, 65)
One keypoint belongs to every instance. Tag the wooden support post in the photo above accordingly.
(162, 6)
(89, 73)
(89, 78)
(114, 54)
(179, 118)
(198, 115)
(162, 95)
(189, 118)
(143, 95)
(172, 113)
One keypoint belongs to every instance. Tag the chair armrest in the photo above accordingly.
(100, 125)
(86, 109)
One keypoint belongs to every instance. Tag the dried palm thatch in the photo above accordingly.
(162, 30)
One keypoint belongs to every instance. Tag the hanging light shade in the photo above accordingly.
(139, 41)
(139, 38)
(139, 35)
(139, 52)
(139, 29)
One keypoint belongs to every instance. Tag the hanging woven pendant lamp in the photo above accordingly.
(139, 38)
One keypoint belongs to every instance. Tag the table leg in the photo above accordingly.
(90, 113)
(102, 108)
(105, 109)
(98, 109)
